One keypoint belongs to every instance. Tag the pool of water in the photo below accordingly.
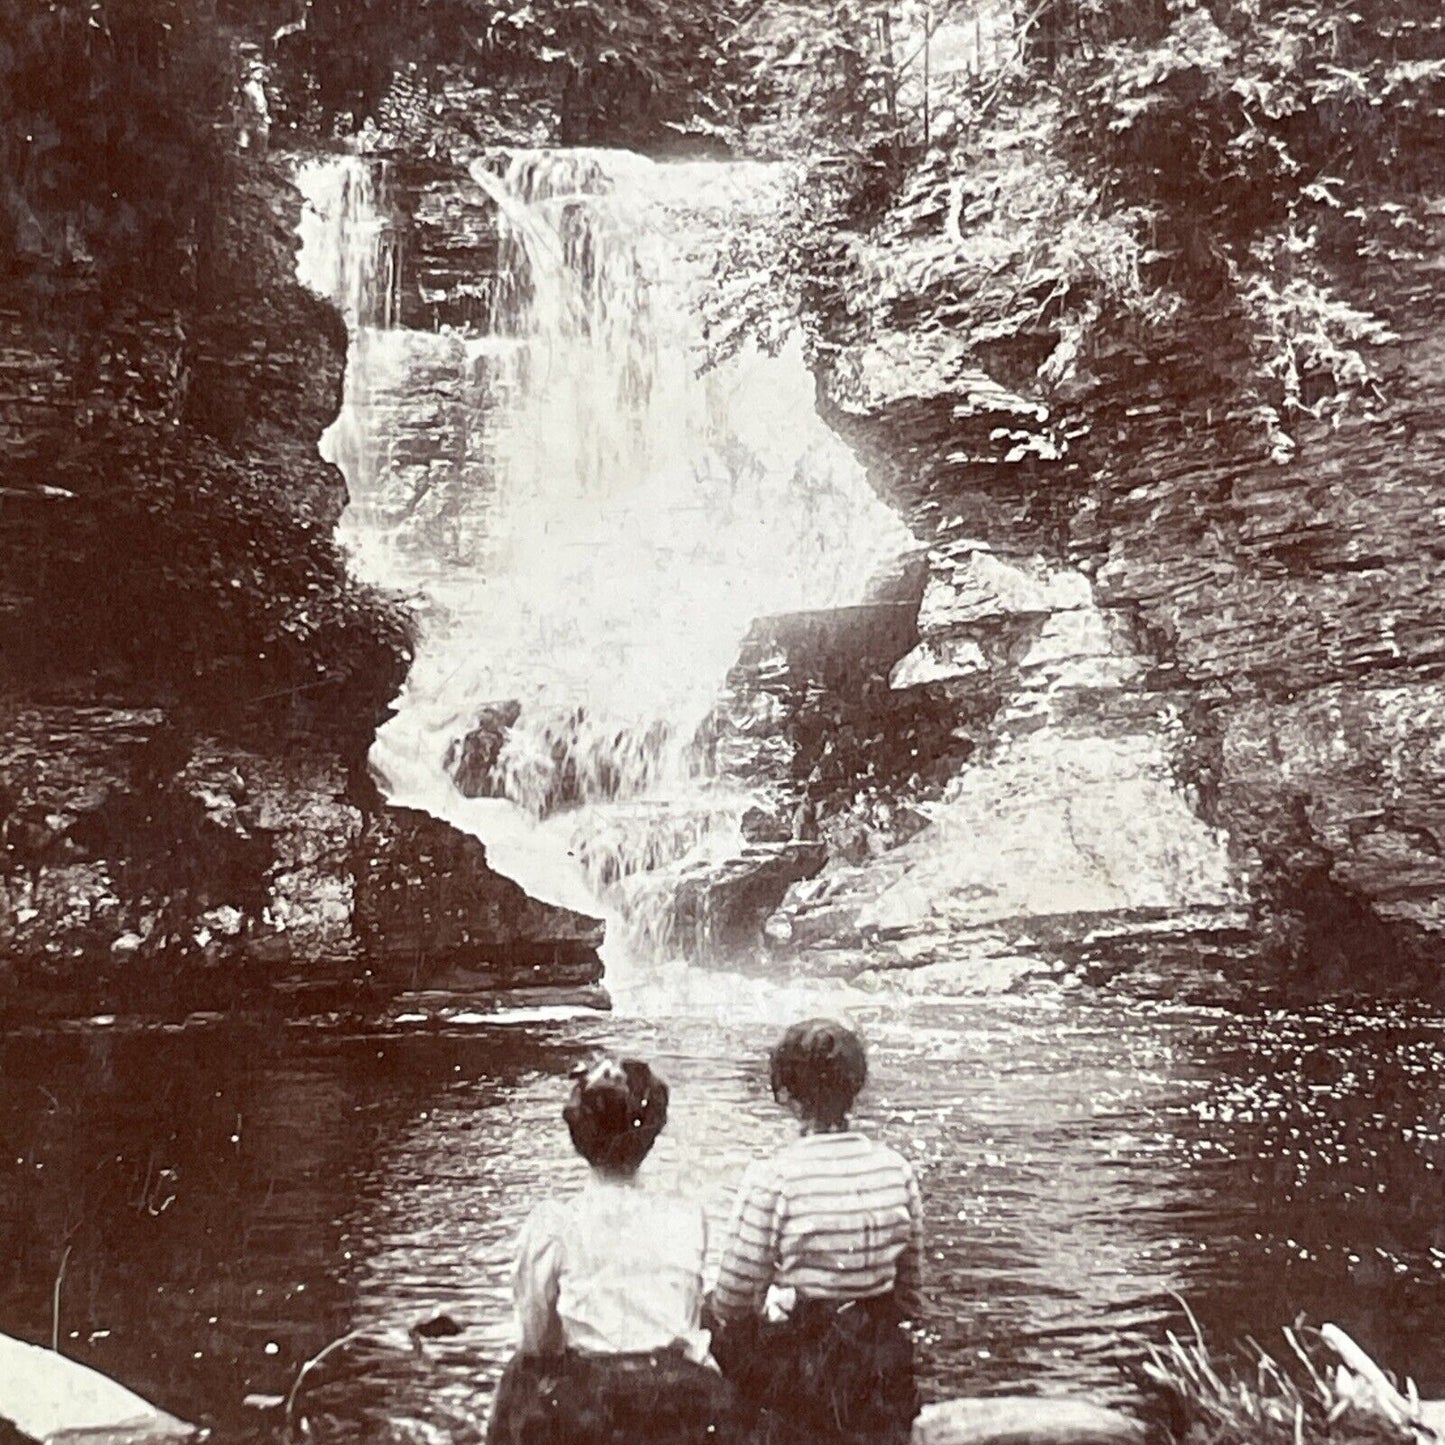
(218, 1200)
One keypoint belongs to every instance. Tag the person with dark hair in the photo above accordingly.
(608, 1293)
(822, 1264)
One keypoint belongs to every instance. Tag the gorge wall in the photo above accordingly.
(1227, 705)
(1160, 686)
(190, 678)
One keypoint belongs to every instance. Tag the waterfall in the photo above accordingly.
(588, 520)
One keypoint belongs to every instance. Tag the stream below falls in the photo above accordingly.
(230, 1196)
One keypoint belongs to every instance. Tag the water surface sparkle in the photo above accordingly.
(234, 1195)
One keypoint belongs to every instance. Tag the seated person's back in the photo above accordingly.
(608, 1293)
(842, 1224)
(830, 1230)
(618, 1268)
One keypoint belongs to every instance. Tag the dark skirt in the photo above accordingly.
(832, 1374)
(654, 1399)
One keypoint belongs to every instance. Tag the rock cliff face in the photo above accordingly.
(190, 678)
(1220, 714)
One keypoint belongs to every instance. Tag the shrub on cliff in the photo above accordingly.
(1120, 165)
(1271, 145)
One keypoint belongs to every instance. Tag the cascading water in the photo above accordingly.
(589, 521)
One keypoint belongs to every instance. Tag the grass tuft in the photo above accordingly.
(1303, 1396)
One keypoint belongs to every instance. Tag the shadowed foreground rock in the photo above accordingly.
(422, 1384)
(411, 1388)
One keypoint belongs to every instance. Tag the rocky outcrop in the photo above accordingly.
(1222, 696)
(190, 679)
(819, 717)
(430, 914)
(146, 867)
(997, 787)
(1298, 608)
(449, 235)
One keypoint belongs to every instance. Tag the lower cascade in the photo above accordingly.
(587, 517)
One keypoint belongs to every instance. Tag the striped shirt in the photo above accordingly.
(831, 1216)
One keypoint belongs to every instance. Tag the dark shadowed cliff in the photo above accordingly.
(190, 677)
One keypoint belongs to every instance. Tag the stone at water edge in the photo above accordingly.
(1360, 1380)
(1021, 1420)
(1432, 1416)
(55, 1400)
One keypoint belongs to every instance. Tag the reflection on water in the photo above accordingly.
(228, 1197)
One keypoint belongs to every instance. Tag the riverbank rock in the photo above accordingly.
(141, 867)
(1024, 1421)
(135, 854)
(57, 1401)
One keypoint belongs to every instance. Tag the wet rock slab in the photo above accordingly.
(1024, 1421)
(719, 911)
(48, 1398)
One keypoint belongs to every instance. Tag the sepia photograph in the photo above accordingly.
(722, 722)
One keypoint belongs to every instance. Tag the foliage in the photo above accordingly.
(1259, 134)
(110, 161)
(614, 70)
(1130, 166)
(1255, 137)
(820, 84)
(822, 79)
(1241, 110)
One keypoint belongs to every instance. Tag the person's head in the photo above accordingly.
(818, 1067)
(615, 1112)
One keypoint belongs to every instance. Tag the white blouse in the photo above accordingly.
(613, 1270)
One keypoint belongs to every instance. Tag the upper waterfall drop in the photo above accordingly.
(589, 519)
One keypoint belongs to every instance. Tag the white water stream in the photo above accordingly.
(588, 521)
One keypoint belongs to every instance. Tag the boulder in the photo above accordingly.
(1019, 1420)
(49, 1398)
